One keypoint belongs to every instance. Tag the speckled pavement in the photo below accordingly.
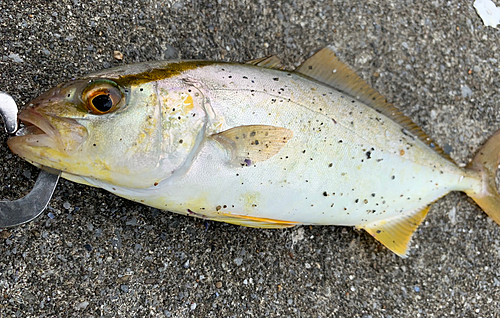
(92, 254)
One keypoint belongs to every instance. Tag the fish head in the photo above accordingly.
(117, 130)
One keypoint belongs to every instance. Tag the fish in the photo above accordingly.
(252, 144)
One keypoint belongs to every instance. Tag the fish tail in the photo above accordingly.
(486, 164)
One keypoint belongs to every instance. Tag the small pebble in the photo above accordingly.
(82, 305)
(66, 205)
(27, 174)
(132, 221)
(238, 261)
(466, 91)
(124, 288)
(118, 55)
(16, 58)
(218, 284)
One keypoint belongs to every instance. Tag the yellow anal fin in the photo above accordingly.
(267, 62)
(325, 67)
(251, 221)
(395, 234)
(253, 143)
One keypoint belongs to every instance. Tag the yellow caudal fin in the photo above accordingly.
(486, 164)
(396, 233)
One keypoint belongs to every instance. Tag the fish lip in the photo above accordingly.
(30, 117)
(38, 131)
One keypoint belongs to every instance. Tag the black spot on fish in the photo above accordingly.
(276, 79)
(368, 155)
(325, 194)
(407, 133)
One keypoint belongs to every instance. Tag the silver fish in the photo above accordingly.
(252, 144)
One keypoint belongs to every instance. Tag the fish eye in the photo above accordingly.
(101, 97)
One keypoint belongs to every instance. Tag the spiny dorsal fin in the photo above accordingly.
(253, 143)
(268, 62)
(325, 67)
(396, 233)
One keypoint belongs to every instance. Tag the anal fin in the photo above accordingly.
(251, 221)
(395, 234)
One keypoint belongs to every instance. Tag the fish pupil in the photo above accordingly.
(102, 103)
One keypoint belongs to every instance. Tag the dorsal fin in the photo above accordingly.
(396, 233)
(268, 62)
(325, 67)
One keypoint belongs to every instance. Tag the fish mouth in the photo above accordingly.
(44, 136)
(38, 131)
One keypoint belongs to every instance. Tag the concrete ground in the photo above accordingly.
(92, 254)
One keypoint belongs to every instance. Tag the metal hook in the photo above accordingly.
(29, 207)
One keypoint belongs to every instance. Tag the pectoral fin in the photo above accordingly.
(254, 143)
(396, 233)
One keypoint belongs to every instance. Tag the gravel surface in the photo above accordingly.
(92, 254)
